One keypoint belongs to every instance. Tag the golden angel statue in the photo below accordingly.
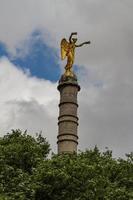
(68, 50)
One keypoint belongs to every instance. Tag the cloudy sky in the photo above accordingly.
(30, 66)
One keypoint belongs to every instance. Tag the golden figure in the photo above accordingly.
(68, 50)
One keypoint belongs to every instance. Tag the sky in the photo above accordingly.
(30, 67)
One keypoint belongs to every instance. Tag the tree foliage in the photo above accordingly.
(90, 175)
(27, 174)
(20, 153)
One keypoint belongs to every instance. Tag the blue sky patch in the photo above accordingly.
(3, 50)
(41, 60)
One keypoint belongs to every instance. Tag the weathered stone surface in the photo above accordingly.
(68, 120)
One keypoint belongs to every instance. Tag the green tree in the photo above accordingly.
(20, 153)
(90, 175)
(27, 174)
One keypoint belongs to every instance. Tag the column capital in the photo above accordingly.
(68, 80)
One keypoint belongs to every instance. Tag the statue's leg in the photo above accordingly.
(69, 63)
(68, 66)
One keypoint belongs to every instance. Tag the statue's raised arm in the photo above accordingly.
(70, 38)
(68, 50)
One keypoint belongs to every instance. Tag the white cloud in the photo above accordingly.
(106, 109)
(27, 102)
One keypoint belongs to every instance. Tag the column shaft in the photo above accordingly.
(68, 120)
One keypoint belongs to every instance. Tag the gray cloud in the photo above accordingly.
(34, 118)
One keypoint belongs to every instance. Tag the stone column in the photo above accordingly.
(68, 120)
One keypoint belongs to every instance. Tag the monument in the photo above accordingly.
(68, 88)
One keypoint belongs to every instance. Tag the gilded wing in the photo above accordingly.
(64, 48)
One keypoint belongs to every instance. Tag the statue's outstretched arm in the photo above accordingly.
(70, 38)
(80, 45)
